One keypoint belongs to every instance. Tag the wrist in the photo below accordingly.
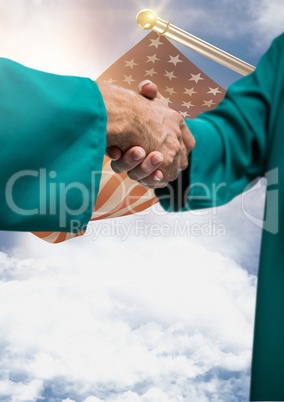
(120, 106)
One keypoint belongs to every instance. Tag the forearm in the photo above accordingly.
(226, 158)
(52, 138)
(232, 141)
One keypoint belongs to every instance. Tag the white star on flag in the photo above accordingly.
(118, 195)
(170, 74)
(110, 81)
(190, 91)
(184, 114)
(208, 103)
(187, 104)
(150, 72)
(196, 77)
(128, 79)
(156, 42)
(214, 91)
(175, 60)
(167, 100)
(152, 59)
(130, 63)
(171, 91)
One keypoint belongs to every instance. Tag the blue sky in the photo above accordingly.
(151, 316)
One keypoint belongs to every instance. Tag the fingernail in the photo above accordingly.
(157, 159)
(142, 83)
(156, 178)
(138, 154)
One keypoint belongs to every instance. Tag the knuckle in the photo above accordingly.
(147, 183)
(184, 165)
(132, 175)
(176, 115)
(174, 176)
(116, 167)
(174, 147)
(179, 135)
(177, 147)
(167, 163)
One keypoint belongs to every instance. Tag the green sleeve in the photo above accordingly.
(52, 141)
(232, 141)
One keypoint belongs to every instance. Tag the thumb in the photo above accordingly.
(148, 89)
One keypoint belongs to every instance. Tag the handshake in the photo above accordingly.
(145, 138)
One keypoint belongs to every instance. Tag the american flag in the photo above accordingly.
(187, 90)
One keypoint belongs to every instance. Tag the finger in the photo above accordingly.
(187, 137)
(113, 152)
(149, 165)
(173, 172)
(129, 160)
(155, 180)
(183, 157)
(148, 89)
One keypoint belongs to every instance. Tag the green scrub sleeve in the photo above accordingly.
(52, 143)
(232, 142)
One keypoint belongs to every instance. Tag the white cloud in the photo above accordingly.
(150, 320)
(267, 19)
(94, 399)
(225, 23)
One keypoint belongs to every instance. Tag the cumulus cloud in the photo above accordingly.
(268, 17)
(242, 17)
(143, 322)
(227, 24)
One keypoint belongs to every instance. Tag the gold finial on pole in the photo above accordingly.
(147, 19)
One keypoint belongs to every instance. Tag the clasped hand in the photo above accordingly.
(144, 136)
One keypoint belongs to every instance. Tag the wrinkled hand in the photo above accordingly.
(146, 170)
(150, 90)
(147, 125)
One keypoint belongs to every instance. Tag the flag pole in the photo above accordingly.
(147, 19)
